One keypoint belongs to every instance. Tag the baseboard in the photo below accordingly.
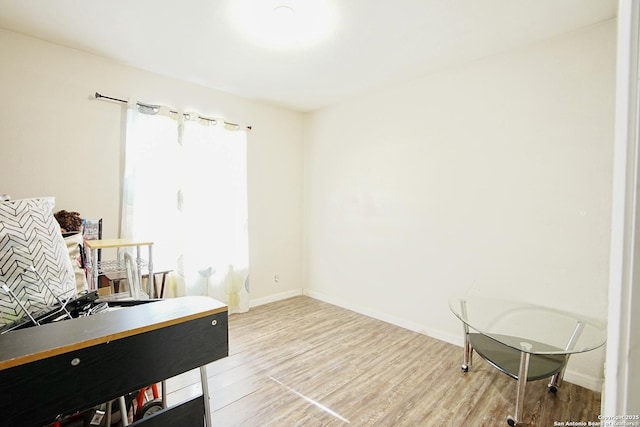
(403, 323)
(276, 297)
(586, 381)
(365, 311)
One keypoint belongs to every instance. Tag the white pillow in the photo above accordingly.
(30, 237)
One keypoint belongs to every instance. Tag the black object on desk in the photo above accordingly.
(62, 367)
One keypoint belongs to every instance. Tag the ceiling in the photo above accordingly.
(358, 46)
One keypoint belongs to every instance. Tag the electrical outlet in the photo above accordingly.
(276, 278)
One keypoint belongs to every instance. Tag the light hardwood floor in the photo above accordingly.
(303, 362)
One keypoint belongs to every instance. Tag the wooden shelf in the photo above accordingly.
(115, 243)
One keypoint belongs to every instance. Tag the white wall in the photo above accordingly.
(55, 141)
(493, 176)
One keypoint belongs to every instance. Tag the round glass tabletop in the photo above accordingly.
(529, 328)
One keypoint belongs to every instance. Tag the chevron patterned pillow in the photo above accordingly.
(34, 262)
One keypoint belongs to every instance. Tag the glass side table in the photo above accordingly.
(527, 342)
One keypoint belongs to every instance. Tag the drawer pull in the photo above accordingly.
(75, 361)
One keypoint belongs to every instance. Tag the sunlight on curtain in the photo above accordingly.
(150, 188)
(216, 252)
(185, 188)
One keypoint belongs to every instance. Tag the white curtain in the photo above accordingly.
(185, 188)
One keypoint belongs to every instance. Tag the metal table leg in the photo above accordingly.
(205, 395)
(468, 350)
(124, 416)
(150, 276)
(522, 382)
(94, 269)
(556, 380)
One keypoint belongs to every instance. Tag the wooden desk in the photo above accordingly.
(75, 364)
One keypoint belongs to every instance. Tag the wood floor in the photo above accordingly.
(303, 362)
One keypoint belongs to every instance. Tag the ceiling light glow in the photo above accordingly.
(289, 24)
(284, 11)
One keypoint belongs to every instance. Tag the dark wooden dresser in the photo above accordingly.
(76, 364)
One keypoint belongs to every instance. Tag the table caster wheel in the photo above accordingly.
(465, 368)
(552, 389)
(511, 421)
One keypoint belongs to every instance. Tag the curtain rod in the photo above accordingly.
(124, 101)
